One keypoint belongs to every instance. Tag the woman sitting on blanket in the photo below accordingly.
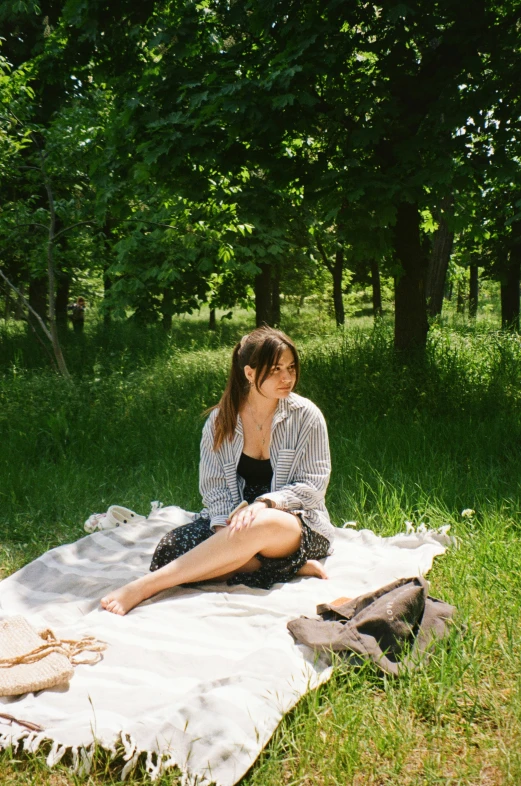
(267, 447)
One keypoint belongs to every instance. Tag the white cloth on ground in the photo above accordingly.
(196, 677)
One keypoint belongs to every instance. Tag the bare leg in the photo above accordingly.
(250, 567)
(273, 533)
(311, 568)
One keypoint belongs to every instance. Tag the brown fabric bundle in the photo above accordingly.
(31, 661)
(393, 626)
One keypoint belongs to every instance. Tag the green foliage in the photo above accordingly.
(409, 442)
(202, 141)
(252, 131)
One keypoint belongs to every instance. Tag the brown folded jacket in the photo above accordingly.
(393, 626)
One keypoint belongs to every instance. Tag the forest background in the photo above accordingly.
(348, 171)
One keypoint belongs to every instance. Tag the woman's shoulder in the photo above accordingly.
(209, 423)
(304, 406)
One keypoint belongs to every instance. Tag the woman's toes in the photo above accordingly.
(124, 599)
(110, 603)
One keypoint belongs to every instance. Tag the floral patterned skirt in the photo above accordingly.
(271, 571)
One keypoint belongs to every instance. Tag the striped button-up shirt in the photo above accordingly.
(299, 455)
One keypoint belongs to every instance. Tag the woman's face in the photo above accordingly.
(281, 379)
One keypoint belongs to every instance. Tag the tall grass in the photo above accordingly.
(415, 441)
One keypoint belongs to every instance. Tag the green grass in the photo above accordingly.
(415, 441)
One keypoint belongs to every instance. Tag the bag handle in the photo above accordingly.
(74, 650)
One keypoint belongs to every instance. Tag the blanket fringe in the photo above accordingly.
(130, 766)
(129, 745)
(131, 755)
(33, 741)
(30, 742)
(154, 770)
(86, 757)
(56, 754)
(441, 534)
(9, 740)
(27, 742)
(82, 759)
(156, 763)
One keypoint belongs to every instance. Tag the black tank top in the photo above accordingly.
(256, 472)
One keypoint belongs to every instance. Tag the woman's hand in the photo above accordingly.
(244, 517)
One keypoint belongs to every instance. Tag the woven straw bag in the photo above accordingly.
(31, 661)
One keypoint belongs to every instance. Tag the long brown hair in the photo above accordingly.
(261, 350)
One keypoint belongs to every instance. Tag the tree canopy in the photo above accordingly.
(205, 152)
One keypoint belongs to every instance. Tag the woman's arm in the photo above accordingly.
(217, 497)
(311, 476)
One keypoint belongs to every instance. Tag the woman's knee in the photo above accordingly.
(269, 528)
(282, 532)
(278, 520)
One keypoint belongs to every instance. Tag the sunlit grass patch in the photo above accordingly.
(418, 442)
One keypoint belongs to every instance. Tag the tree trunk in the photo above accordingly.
(34, 314)
(62, 278)
(107, 283)
(510, 282)
(58, 354)
(410, 322)
(338, 300)
(460, 298)
(212, 322)
(166, 308)
(51, 276)
(510, 293)
(473, 289)
(275, 295)
(106, 231)
(19, 304)
(336, 270)
(377, 289)
(7, 304)
(263, 315)
(439, 261)
(38, 299)
(62, 298)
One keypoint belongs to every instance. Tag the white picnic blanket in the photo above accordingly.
(198, 678)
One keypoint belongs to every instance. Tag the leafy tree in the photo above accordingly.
(347, 122)
(368, 108)
(44, 189)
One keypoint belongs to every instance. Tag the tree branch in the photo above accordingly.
(323, 254)
(31, 224)
(93, 221)
(73, 226)
(51, 359)
(31, 309)
(145, 221)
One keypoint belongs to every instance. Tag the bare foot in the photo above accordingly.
(313, 568)
(124, 599)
